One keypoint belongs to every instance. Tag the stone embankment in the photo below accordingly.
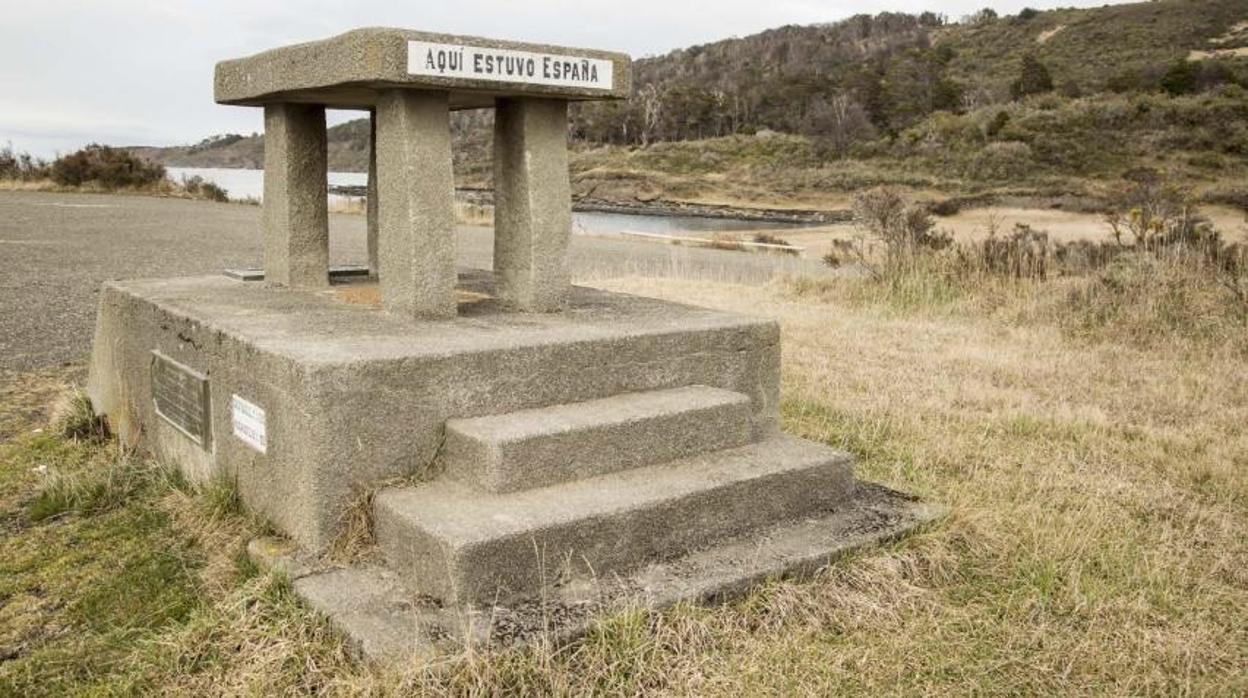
(657, 207)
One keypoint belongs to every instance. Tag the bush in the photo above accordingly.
(1033, 79)
(1182, 78)
(1022, 254)
(1080, 257)
(201, 188)
(906, 228)
(21, 165)
(769, 239)
(726, 241)
(1148, 299)
(998, 123)
(106, 167)
(1150, 212)
(1009, 160)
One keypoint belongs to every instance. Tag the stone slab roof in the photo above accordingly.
(346, 71)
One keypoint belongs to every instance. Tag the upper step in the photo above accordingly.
(544, 446)
(457, 543)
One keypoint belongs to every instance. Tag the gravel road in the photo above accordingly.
(56, 250)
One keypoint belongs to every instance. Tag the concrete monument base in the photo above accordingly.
(623, 446)
(346, 396)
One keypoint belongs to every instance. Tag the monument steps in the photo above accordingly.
(449, 540)
(546, 446)
(382, 619)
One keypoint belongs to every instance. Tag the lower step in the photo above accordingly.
(456, 543)
(384, 621)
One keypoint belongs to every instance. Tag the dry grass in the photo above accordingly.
(1100, 492)
(352, 205)
(164, 188)
(974, 224)
(30, 400)
(1098, 542)
(468, 213)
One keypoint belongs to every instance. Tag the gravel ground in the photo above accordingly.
(56, 250)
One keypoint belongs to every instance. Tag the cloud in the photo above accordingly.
(140, 71)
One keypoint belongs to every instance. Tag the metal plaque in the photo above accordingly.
(181, 397)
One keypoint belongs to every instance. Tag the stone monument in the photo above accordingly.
(524, 449)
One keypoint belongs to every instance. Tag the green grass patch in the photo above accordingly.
(92, 570)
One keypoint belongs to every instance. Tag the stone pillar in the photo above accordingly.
(532, 203)
(371, 201)
(416, 203)
(296, 217)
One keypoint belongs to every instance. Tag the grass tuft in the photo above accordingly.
(76, 420)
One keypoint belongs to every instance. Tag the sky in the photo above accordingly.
(139, 72)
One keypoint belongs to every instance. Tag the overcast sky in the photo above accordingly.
(140, 71)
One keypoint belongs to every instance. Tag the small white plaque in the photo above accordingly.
(249, 424)
(505, 65)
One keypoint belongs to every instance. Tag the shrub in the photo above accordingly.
(945, 207)
(1151, 299)
(997, 123)
(726, 241)
(201, 188)
(1150, 212)
(1125, 80)
(907, 229)
(106, 167)
(769, 239)
(1080, 257)
(1022, 254)
(1182, 78)
(1008, 160)
(1033, 79)
(21, 165)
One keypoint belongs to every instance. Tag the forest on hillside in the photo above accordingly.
(872, 76)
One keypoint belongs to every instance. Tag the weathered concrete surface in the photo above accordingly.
(296, 219)
(550, 445)
(791, 549)
(371, 213)
(454, 542)
(366, 605)
(345, 71)
(355, 397)
(416, 204)
(532, 203)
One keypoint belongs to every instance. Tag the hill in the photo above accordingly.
(348, 150)
(1047, 102)
(870, 76)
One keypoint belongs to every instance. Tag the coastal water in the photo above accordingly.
(249, 184)
(243, 184)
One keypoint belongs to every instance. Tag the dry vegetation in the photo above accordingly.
(99, 169)
(1087, 434)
